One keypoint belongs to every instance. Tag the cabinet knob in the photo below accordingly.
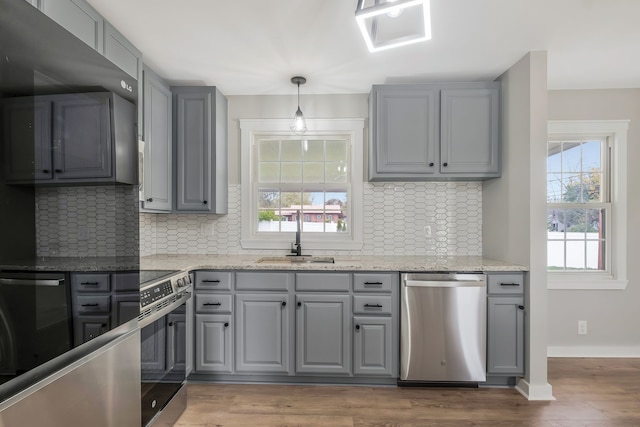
(299, 304)
(226, 324)
(431, 164)
(521, 307)
(445, 164)
(284, 303)
(204, 202)
(170, 323)
(45, 170)
(150, 199)
(58, 170)
(358, 327)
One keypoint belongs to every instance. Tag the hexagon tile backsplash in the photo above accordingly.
(395, 218)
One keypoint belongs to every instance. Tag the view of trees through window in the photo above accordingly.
(577, 204)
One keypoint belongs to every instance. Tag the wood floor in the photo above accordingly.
(589, 392)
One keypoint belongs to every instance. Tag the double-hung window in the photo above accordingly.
(586, 204)
(312, 181)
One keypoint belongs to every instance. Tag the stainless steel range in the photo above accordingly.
(164, 296)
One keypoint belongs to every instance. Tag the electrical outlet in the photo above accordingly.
(582, 327)
(427, 231)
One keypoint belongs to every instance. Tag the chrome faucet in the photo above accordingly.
(297, 247)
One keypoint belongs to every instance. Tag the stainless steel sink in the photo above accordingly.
(295, 259)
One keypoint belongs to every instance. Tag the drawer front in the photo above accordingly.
(372, 282)
(100, 282)
(320, 282)
(374, 304)
(512, 283)
(213, 303)
(263, 281)
(126, 282)
(214, 280)
(87, 304)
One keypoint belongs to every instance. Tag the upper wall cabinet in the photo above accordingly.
(79, 18)
(200, 140)
(421, 132)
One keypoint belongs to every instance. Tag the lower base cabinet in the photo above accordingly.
(372, 346)
(214, 343)
(505, 335)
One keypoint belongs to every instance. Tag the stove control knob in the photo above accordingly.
(180, 283)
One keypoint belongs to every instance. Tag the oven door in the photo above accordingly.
(163, 354)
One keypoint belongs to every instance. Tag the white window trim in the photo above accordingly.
(352, 127)
(617, 280)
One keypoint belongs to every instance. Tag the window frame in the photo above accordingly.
(352, 129)
(615, 278)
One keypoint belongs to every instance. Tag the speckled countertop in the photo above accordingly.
(74, 264)
(342, 263)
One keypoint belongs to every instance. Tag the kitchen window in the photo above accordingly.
(316, 177)
(586, 204)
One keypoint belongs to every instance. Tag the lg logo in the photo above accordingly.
(125, 86)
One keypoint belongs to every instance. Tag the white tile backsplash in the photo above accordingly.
(395, 215)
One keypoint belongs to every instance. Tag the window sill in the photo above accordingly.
(286, 245)
(587, 284)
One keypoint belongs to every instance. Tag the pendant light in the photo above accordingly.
(298, 124)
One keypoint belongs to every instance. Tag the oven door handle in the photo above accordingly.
(31, 282)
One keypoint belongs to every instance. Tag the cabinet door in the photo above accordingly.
(469, 131)
(153, 347)
(82, 137)
(88, 327)
(177, 341)
(404, 132)
(157, 181)
(27, 131)
(372, 345)
(323, 334)
(213, 343)
(125, 307)
(79, 18)
(505, 335)
(262, 333)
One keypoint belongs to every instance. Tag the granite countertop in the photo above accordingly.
(74, 264)
(342, 263)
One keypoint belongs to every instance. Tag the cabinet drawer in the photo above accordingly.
(364, 304)
(213, 303)
(91, 282)
(126, 282)
(213, 280)
(85, 304)
(512, 283)
(263, 281)
(372, 282)
(320, 282)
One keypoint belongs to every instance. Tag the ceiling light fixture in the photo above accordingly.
(393, 23)
(298, 124)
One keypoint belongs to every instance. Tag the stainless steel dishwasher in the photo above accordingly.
(443, 328)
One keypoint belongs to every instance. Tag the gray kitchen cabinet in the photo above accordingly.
(200, 138)
(434, 131)
(372, 346)
(189, 331)
(214, 343)
(262, 333)
(505, 325)
(86, 328)
(79, 18)
(157, 163)
(323, 334)
(79, 138)
(177, 340)
(152, 347)
(125, 55)
(125, 306)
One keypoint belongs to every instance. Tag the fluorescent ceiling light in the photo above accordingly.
(392, 23)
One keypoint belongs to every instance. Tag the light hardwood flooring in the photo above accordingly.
(588, 392)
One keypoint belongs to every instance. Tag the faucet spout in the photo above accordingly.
(297, 249)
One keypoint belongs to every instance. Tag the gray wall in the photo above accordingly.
(514, 207)
(613, 316)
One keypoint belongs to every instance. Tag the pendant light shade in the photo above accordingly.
(298, 124)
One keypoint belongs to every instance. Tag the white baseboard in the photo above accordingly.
(593, 351)
(535, 392)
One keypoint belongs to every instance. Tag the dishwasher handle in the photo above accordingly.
(444, 284)
(448, 280)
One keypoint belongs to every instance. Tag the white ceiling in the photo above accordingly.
(254, 47)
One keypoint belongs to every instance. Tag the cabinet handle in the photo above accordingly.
(284, 303)
(90, 305)
(212, 303)
(58, 170)
(521, 307)
(299, 304)
(431, 164)
(358, 327)
(204, 202)
(373, 305)
(509, 284)
(150, 199)
(45, 170)
(226, 324)
(445, 164)
(373, 283)
(211, 281)
(89, 283)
